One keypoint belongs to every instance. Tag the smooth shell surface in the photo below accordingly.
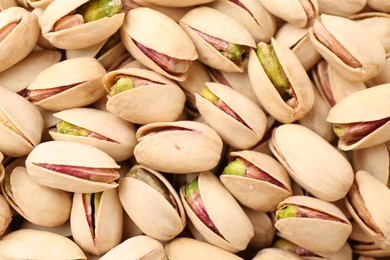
(5, 215)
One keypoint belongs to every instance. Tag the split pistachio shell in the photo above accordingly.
(312, 162)
(275, 253)
(35, 244)
(298, 80)
(223, 29)
(384, 76)
(39, 3)
(82, 76)
(262, 195)
(5, 215)
(344, 8)
(381, 5)
(263, 226)
(178, 3)
(138, 247)
(233, 238)
(105, 231)
(39, 204)
(332, 229)
(365, 106)
(251, 14)
(17, 23)
(172, 42)
(191, 249)
(241, 131)
(79, 36)
(366, 210)
(21, 128)
(68, 154)
(162, 97)
(185, 146)
(353, 58)
(149, 209)
(121, 134)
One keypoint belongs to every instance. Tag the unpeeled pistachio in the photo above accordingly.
(381, 5)
(152, 203)
(42, 4)
(275, 253)
(305, 221)
(263, 227)
(72, 167)
(312, 162)
(256, 180)
(384, 76)
(344, 8)
(361, 120)
(339, 41)
(5, 215)
(222, 43)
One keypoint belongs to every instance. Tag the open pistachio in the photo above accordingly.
(217, 35)
(5, 215)
(286, 94)
(275, 253)
(345, 8)
(72, 167)
(305, 220)
(381, 5)
(338, 40)
(256, 180)
(361, 120)
(81, 23)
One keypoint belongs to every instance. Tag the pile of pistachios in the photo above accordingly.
(195, 129)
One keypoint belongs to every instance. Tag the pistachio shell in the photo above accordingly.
(344, 8)
(381, 5)
(73, 154)
(5, 4)
(383, 77)
(5, 215)
(39, 3)
(312, 162)
(35, 244)
(63, 230)
(275, 253)
(263, 226)
(130, 229)
(178, 3)
(196, 148)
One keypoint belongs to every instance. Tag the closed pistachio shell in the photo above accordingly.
(70, 154)
(263, 226)
(5, 4)
(383, 77)
(345, 8)
(312, 162)
(36, 244)
(185, 146)
(138, 247)
(381, 5)
(5, 215)
(275, 253)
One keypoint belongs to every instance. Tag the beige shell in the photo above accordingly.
(348, 33)
(27, 28)
(63, 230)
(191, 249)
(177, 3)
(307, 232)
(5, 4)
(312, 162)
(253, 16)
(267, 93)
(149, 210)
(344, 8)
(364, 106)
(158, 102)
(384, 76)
(5, 215)
(213, 193)
(2, 171)
(197, 148)
(103, 123)
(80, 36)
(138, 247)
(39, 3)
(175, 13)
(108, 223)
(257, 194)
(370, 190)
(130, 229)
(168, 39)
(298, 40)
(275, 253)
(36, 244)
(26, 118)
(86, 72)
(216, 24)
(38, 204)
(381, 5)
(42, 41)
(263, 226)
(68, 153)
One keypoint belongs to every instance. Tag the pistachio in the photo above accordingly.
(5, 215)
(345, 8)
(98, 9)
(383, 5)
(178, 3)
(263, 226)
(275, 253)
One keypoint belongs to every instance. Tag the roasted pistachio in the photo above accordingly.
(345, 8)
(263, 226)
(275, 253)
(5, 215)
(381, 5)
(383, 77)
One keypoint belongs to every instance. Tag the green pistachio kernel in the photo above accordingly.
(235, 52)
(122, 84)
(285, 244)
(236, 167)
(97, 9)
(288, 211)
(7, 186)
(207, 94)
(70, 129)
(192, 188)
(96, 202)
(338, 130)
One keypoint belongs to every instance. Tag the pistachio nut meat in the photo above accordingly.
(345, 8)
(212, 210)
(275, 253)
(72, 167)
(380, 5)
(96, 221)
(339, 41)
(38, 204)
(37, 244)
(16, 23)
(21, 124)
(236, 118)
(361, 120)
(169, 52)
(5, 215)
(81, 23)
(186, 146)
(285, 94)
(68, 84)
(101, 129)
(143, 96)
(362, 202)
(256, 180)
(312, 162)
(306, 220)
(221, 42)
